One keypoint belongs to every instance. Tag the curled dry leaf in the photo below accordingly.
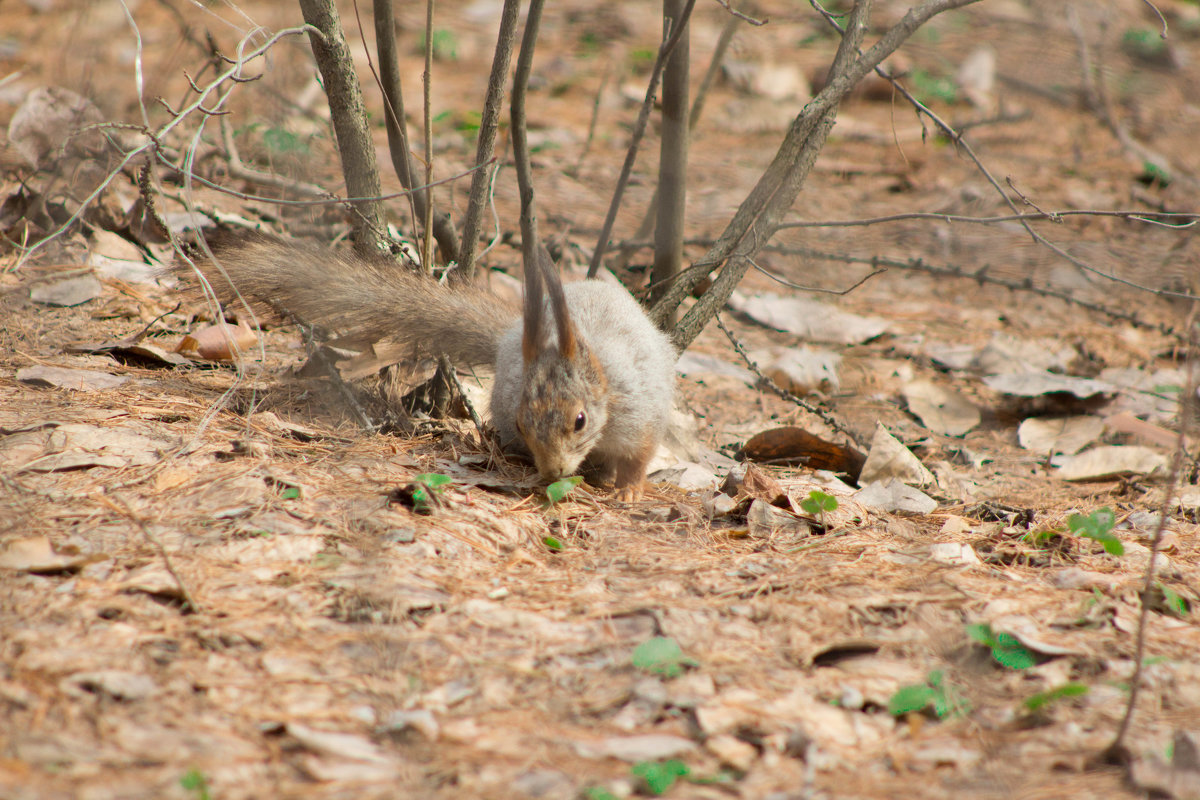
(797, 446)
(220, 342)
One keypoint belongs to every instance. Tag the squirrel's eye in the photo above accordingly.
(580, 421)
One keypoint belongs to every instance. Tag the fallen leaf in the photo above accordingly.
(815, 321)
(116, 683)
(1110, 461)
(1034, 384)
(649, 747)
(342, 745)
(80, 380)
(894, 495)
(888, 458)
(802, 371)
(797, 446)
(38, 556)
(220, 342)
(71, 292)
(941, 410)
(1067, 435)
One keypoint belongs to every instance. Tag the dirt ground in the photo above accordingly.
(210, 586)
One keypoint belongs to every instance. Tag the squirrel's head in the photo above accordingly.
(563, 410)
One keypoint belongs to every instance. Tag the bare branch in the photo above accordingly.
(1052, 216)
(1117, 751)
(673, 151)
(349, 116)
(396, 122)
(529, 232)
(485, 147)
(755, 221)
(639, 129)
(427, 85)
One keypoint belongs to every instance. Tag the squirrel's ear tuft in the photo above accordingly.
(567, 342)
(533, 334)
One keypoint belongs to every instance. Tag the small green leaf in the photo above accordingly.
(558, 490)
(910, 699)
(290, 493)
(659, 776)
(434, 480)
(1043, 699)
(982, 633)
(1098, 526)
(818, 502)
(598, 793)
(193, 781)
(1174, 603)
(1011, 653)
(553, 544)
(1005, 647)
(662, 656)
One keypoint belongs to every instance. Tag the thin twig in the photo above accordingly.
(816, 289)
(333, 199)
(189, 599)
(530, 242)
(154, 138)
(1023, 219)
(639, 130)
(1117, 751)
(743, 16)
(1052, 216)
(427, 83)
(483, 181)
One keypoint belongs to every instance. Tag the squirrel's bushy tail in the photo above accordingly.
(362, 301)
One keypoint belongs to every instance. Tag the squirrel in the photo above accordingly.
(582, 376)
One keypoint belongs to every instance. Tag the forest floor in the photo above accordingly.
(211, 588)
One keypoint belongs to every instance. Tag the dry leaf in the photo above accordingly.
(940, 409)
(220, 342)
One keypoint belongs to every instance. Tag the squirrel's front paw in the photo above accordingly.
(629, 494)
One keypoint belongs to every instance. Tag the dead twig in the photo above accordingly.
(189, 599)
(1117, 752)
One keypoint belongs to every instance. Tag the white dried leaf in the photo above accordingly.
(941, 410)
(1066, 435)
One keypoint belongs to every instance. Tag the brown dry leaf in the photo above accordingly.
(220, 342)
(791, 445)
(38, 556)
